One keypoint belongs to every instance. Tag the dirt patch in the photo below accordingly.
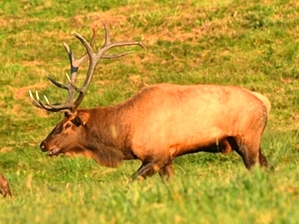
(3, 23)
(6, 149)
(109, 18)
(23, 92)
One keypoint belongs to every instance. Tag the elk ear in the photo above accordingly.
(80, 119)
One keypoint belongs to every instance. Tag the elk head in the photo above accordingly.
(65, 137)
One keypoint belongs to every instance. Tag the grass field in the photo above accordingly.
(254, 44)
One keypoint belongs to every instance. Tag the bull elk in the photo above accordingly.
(4, 186)
(158, 124)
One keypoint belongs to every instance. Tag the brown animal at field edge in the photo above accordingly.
(4, 186)
(160, 123)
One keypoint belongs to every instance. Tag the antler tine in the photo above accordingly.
(107, 36)
(33, 100)
(49, 107)
(113, 56)
(58, 84)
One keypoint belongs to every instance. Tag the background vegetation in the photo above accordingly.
(254, 44)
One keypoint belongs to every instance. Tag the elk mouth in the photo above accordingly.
(54, 152)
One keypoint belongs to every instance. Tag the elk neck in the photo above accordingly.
(108, 128)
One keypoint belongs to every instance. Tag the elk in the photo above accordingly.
(158, 124)
(4, 186)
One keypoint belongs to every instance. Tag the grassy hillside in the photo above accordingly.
(254, 44)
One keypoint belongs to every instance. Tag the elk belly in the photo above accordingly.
(211, 141)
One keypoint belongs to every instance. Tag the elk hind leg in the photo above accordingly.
(249, 151)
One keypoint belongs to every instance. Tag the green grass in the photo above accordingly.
(254, 44)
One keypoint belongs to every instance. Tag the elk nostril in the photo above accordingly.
(42, 146)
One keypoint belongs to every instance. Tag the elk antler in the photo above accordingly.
(69, 106)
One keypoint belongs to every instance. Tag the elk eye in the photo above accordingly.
(67, 126)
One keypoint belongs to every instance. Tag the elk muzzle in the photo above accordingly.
(53, 151)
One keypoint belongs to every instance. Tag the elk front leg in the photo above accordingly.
(150, 167)
(4, 186)
(263, 160)
(167, 171)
